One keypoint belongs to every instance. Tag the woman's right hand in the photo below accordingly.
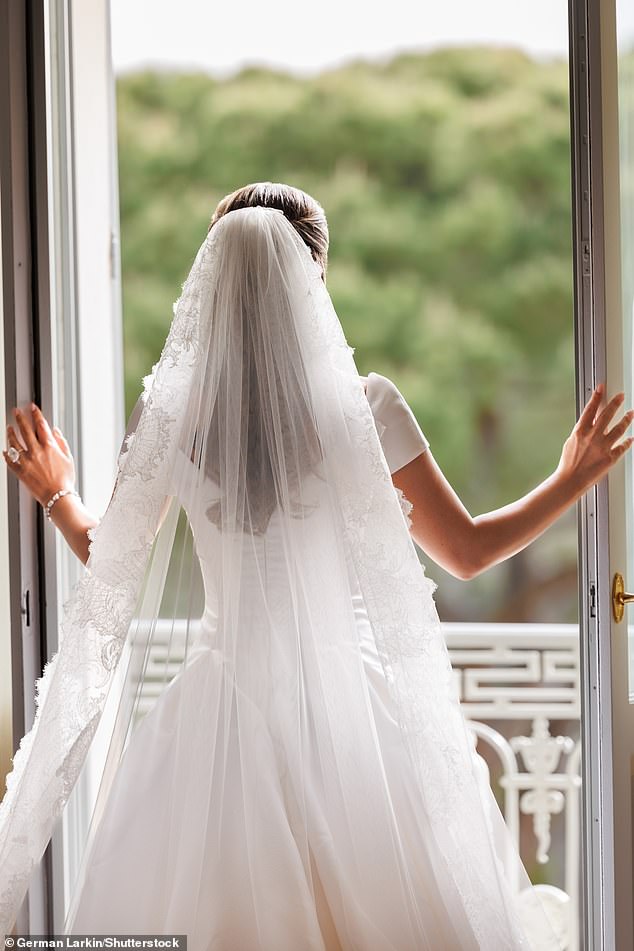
(45, 464)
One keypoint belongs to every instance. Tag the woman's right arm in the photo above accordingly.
(45, 466)
(73, 519)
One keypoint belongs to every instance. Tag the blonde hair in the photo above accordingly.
(304, 213)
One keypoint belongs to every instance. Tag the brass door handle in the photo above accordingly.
(620, 597)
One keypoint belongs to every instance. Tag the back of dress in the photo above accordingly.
(262, 560)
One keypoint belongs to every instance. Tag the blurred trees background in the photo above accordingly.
(446, 181)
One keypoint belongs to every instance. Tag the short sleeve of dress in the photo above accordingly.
(400, 434)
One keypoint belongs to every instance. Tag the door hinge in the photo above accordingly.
(592, 598)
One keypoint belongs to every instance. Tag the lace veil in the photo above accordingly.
(283, 526)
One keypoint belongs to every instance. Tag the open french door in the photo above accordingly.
(602, 97)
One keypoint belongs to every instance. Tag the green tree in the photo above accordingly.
(445, 178)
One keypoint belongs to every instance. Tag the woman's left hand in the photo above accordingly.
(592, 448)
(44, 464)
(466, 546)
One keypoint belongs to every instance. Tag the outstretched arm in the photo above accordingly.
(466, 546)
(47, 465)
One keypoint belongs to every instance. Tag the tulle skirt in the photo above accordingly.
(251, 888)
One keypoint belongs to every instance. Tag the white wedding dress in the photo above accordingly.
(330, 906)
(305, 779)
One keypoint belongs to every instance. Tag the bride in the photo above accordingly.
(287, 767)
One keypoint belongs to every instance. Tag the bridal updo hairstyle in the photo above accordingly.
(299, 438)
(304, 213)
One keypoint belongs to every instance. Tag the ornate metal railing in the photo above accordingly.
(514, 681)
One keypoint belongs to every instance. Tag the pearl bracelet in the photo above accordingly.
(58, 495)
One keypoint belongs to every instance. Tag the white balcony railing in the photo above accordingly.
(514, 681)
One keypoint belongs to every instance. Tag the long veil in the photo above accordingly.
(224, 640)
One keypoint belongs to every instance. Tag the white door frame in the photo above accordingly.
(606, 823)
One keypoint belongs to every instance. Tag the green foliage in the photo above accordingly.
(445, 179)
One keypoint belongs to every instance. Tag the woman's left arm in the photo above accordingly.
(466, 546)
